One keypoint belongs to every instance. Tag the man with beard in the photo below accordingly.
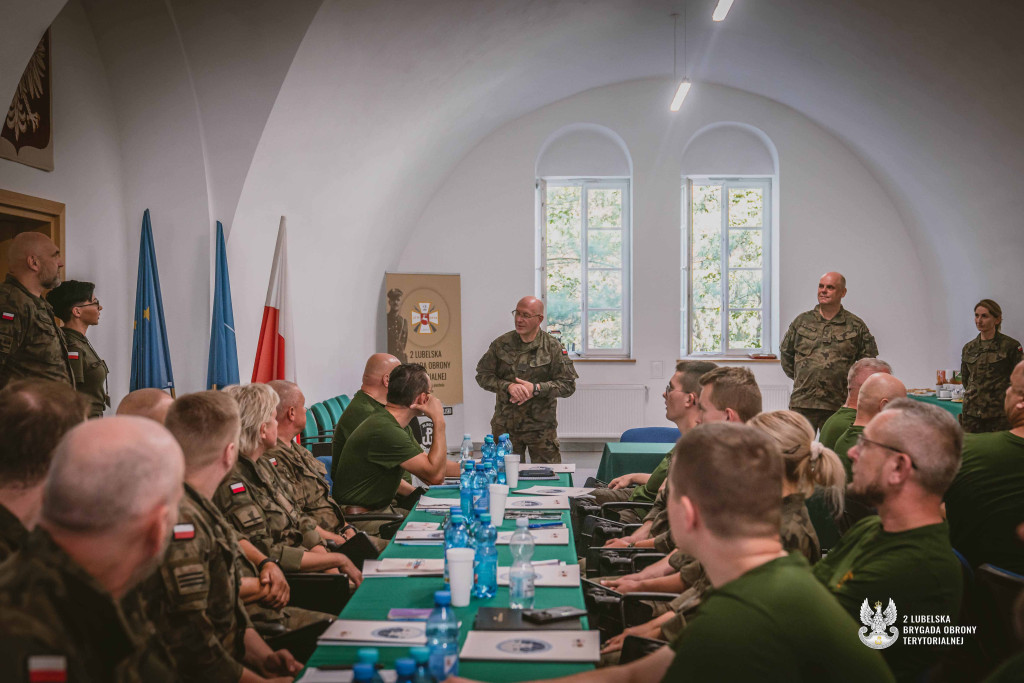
(903, 462)
(109, 504)
(31, 345)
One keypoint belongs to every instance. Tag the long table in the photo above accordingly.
(376, 596)
(955, 408)
(623, 458)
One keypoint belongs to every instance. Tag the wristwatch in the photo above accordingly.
(264, 561)
(536, 388)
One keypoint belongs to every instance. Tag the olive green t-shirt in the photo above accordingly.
(371, 462)
(916, 569)
(774, 623)
(649, 491)
(985, 503)
(836, 425)
(843, 445)
(359, 408)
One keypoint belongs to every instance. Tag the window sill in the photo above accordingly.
(592, 359)
(732, 359)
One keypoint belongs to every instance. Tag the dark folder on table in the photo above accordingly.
(504, 619)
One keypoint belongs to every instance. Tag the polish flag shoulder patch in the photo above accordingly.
(47, 669)
(184, 532)
(238, 487)
(273, 461)
(72, 355)
(7, 316)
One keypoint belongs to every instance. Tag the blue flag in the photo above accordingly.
(151, 358)
(223, 367)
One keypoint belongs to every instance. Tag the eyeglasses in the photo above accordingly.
(525, 316)
(94, 302)
(669, 389)
(862, 440)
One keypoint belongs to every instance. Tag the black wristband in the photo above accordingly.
(264, 561)
(346, 528)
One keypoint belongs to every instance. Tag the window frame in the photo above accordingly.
(586, 183)
(768, 256)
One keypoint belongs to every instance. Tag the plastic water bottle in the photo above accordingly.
(481, 494)
(422, 657)
(406, 670)
(504, 448)
(364, 673)
(466, 489)
(443, 638)
(485, 563)
(466, 451)
(370, 656)
(455, 536)
(520, 575)
(488, 455)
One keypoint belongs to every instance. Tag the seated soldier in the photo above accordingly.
(876, 392)
(194, 597)
(151, 403)
(985, 504)
(109, 504)
(380, 450)
(34, 415)
(251, 497)
(766, 619)
(903, 462)
(681, 407)
(843, 418)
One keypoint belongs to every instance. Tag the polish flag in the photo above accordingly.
(275, 354)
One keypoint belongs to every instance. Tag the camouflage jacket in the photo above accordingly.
(250, 498)
(986, 368)
(543, 362)
(58, 623)
(89, 370)
(31, 344)
(193, 597)
(13, 533)
(796, 531)
(817, 354)
(306, 475)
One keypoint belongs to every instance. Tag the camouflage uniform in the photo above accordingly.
(194, 596)
(398, 336)
(89, 370)
(54, 616)
(817, 355)
(986, 368)
(543, 362)
(13, 533)
(250, 498)
(797, 532)
(307, 477)
(31, 344)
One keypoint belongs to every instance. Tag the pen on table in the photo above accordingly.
(543, 525)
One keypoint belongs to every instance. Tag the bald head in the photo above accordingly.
(289, 394)
(35, 261)
(877, 391)
(859, 372)
(108, 474)
(531, 304)
(151, 403)
(378, 366)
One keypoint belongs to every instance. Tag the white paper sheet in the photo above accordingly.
(567, 575)
(537, 503)
(540, 536)
(436, 536)
(571, 491)
(533, 646)
(380, 633)
(402, 567)
(422, 526)
(315, 675)
(437, 503)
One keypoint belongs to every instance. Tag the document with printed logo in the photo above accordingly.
(395, 566)
(537, 502)
(533, 646)
(567, 575)
(540, 536)
(571, 491)
(379, 633)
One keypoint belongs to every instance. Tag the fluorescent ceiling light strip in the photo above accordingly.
(677, 101)
(722, 10)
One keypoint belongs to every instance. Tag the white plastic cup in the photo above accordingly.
(499, 494)
(512, 461)
(460, 574)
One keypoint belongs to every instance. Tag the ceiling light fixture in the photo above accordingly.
(722, 10)
(684, 85)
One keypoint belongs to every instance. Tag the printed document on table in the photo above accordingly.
(395, 566)
(571, 491)
(315, 675)
(379, 633)
(540, 536)
(443, 503)
(436, 536)
(537, 503)
(533, 646)
(567, 575)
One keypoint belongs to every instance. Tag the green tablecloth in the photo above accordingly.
(375, 597)
(623, 458)
(955, 408)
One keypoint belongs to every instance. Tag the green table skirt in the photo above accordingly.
(954, 408)
(624, 458)
(376, 596)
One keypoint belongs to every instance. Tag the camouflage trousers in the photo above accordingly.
(816, 416)
(982, 425)
(542, 446)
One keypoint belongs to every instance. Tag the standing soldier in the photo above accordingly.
(75, 303)
(985, 364)
(818, 350)
(398, 326)
(30, 343)
(527, 369)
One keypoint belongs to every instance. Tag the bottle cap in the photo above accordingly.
(468, 465)
(405, 666)
(489, 438)
(442, 598)
(457, 517)
(368, 655)
(486, 518)
(522, 523)
(480, 467)
(362, 672)
(467, 436)
(420, 654)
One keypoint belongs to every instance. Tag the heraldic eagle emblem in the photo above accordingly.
(875, 623)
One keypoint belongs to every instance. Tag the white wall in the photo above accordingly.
(833, 214)
(87, 177)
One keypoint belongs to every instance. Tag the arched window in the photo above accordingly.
(729, 180)
(584, 192)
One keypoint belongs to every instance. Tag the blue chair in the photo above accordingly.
(310, 433)
(334, 409)
(326, 460)
(324, 423)
(650, 435)
(345, 400)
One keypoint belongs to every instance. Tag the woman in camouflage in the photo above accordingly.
(985, 364)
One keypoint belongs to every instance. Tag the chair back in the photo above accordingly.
(323, 419)
(650, 435)
(995, 600)
(334, 409)
(344, 400)
(310, 431)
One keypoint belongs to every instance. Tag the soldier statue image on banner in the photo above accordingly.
(398, 326)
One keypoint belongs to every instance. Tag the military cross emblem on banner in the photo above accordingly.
(424, 318)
